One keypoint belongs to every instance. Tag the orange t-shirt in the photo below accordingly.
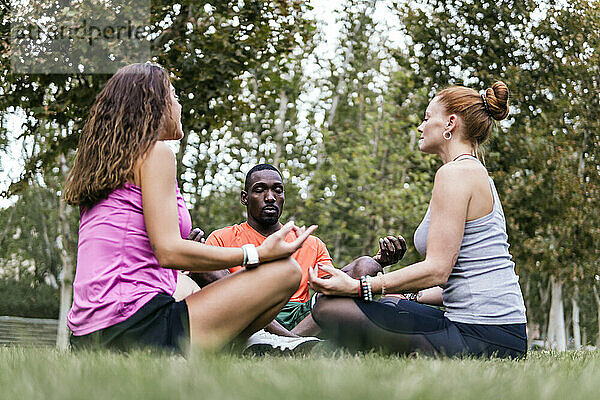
(313, 251)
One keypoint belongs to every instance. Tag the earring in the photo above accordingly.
(447, 137)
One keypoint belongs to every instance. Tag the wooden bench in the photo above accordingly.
(28, 331)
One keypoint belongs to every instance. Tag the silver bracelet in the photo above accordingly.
(382, 280)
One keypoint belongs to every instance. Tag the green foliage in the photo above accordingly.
(29, 233)
(27, 298)
(345, 135)
(544, 159)
(209, 50)
(370, 179)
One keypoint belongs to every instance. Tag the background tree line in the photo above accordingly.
(257, 84)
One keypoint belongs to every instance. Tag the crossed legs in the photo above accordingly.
(240, 299)
(240, 304)
(392, 325)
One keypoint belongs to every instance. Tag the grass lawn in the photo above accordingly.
(30, 373)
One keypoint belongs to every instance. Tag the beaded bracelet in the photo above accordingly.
(366, 291)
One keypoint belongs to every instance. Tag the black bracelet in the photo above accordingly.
(365, 289)
(412, 296)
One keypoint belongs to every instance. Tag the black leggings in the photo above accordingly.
(401, 326)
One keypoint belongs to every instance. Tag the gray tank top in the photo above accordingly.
(483, 287)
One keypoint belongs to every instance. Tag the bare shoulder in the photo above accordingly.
(159, 157)
(450, 175)
(456, 182)
(460, 174)
(160, 150)
(158, 165)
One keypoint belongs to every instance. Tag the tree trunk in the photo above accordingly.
(544, 297)
(338, 91)
(567, 318)
(597, 298)
(257, 126)
(378, 126)
(341, 84)
(44, 230)
(68, 268)
(338, 245)
(280, 127)
(575, 319)
(376, 218)
(7, 226)
(556, 319)
(530, 322)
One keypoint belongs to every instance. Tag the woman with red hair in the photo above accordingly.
(467, 267)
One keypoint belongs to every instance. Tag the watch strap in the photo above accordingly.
(252, 260)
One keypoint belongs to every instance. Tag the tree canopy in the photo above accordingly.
(256, 85)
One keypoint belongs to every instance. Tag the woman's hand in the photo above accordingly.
(391, 250)
(338, 284)
(275, 247)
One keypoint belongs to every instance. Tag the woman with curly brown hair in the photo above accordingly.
(131, 236)
(467, 267)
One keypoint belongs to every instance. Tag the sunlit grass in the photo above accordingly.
(28, 373)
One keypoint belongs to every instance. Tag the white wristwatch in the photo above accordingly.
(251, 259)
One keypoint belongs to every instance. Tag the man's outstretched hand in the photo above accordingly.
(197, 235)
(391, 250)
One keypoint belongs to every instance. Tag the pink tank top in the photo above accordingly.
(117, 272)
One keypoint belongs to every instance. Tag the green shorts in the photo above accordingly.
(292, 313)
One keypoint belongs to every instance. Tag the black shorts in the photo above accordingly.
(161, 324)
(414, 327)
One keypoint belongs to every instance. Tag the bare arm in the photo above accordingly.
(158, 173)
(450, 199)
(449, 203)
(431, 296)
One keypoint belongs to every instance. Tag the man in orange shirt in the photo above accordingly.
(264, 197)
